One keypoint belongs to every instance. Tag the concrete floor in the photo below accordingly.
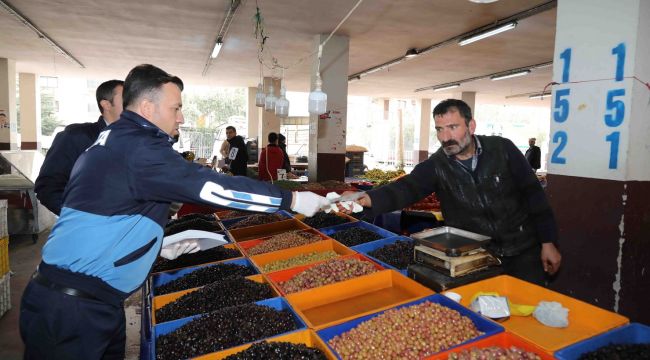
(24, 256)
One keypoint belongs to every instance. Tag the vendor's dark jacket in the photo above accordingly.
(501, 198)
(116, 204)
(239, 165)
(59, 160)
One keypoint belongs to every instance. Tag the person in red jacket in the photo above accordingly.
(271, 159)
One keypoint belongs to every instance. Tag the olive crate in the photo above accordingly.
(276, 303)
(486, 326)
(229, 222)
(162, 278)
(629, 334)
(378, 244)
(383, 233)
(5, 294)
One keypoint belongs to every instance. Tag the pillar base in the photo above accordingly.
(29, 145)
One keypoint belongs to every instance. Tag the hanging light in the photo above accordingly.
(282, 104)
(317, 98)
(269, 101)
(259, 96)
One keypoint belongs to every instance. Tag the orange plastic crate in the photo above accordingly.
(260, 231)
(162, 300)
(307, 337)
(283, 275)
(246, 245)
(321, 246)
(585, 320)
(504, 340)
(4, 255)
(346, 300)
(229, 246)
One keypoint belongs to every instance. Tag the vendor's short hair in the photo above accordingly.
(448, 105)
(146, 81)
(273, 137)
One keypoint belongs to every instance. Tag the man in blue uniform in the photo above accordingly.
(72, 142)
(111, 225)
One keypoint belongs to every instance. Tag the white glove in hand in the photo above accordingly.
(175, 250)
(308, 203)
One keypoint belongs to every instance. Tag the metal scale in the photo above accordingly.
(447, 257)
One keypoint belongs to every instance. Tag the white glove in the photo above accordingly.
(175, 250)
(308, 203)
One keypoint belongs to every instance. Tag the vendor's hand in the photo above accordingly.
(171, 252)
(308, 203)
(551, 258)
(292, 176)
(364, 201)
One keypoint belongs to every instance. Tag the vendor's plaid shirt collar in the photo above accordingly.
(478, 151)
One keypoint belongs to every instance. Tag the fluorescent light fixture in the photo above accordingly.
(488, 33)
(411, 53)
(540, 96)
(217, 48)
(510, 75)
(447, 87)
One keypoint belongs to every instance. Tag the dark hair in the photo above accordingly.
(231, 128)
(273, 137)
(281, 137)
(146, 80)
(106, 91)
(448, 105)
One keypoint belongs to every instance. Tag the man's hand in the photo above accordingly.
(173, 251)
(363, 200)
(551, 258)
(308, 203)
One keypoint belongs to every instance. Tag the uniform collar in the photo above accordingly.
(142, 122)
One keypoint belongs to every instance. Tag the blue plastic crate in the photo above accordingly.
(378, 244)
(633, 333)
(163, 278)
(488, 327)
(358, 224)
(277, 303)
(227, 223)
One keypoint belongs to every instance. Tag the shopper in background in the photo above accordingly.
(271, 159)
(237, 158)
(282, 144)
(533, 155)
(486, 186)
(114, 211)
(72, 142)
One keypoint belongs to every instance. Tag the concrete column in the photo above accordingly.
(268, 121)
(599, 175)
(327, 132)
(30, 112)
(423, 129)
(470, 98)
(8, 118)
(253, 114)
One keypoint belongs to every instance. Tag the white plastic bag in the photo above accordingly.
(493, 307)
(552, 313)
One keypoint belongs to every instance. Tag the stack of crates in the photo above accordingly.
(5, 296)
(355, 165)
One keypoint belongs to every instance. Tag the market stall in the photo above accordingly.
(327, 287)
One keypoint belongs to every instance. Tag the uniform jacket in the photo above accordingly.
(59, 160)
(271, 159)
(115, 207)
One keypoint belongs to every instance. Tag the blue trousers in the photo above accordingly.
(54, 325)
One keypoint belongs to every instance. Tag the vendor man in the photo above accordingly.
(110, 230)
(485, 185)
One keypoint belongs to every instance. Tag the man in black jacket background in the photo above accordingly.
(237, 160)
(72, 142)
(534, 155)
